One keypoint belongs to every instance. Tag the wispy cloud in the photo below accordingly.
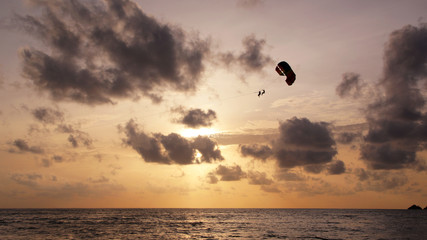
(47, 162)
(48, 115)
(351, 86)
(251, 59)
(21, 146)
(55, 117)
(379, 181)
(29, 179)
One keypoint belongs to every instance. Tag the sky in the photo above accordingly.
(154, 104)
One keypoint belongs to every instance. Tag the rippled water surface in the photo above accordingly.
(212, 224)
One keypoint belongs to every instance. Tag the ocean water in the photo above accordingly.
(212, 224)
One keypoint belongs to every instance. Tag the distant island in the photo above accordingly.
(415, 207)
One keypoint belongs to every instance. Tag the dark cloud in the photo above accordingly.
(147, 146)
(350, 86)
(208, 148)
(104, 50)
(252, 58)
(48, 115)
(195, 118)
(336, 167)
(312, 160)
(178, 149)
(258, 178)
(397, 119)
(256, 151)
(170, 149)
(231, 173)
(314, 168)
(22, 146)
(386, 156)
(301, 132)
(301, 143)
(304, 143)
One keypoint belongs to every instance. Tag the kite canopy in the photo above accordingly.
(282, 69)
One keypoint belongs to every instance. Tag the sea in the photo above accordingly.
(212, 224)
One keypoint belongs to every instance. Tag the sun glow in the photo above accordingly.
(190, 132)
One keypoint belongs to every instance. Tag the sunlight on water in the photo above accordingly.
(211, 224)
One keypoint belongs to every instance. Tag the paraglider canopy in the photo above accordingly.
(283, 69)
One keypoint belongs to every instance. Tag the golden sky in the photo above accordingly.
(121, 103)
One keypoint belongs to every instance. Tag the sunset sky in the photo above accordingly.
(146, 104)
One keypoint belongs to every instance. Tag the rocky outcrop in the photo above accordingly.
(415, 207)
